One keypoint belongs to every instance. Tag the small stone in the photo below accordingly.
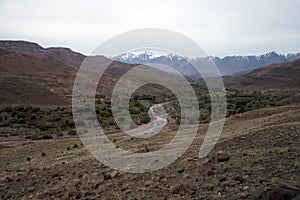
(107, 176)
(210, 173)
(292, 149)
(78, 195)
(243, 195)
(9, 179)
(245, 188)
(206, 160)
(30, 189)
(114, 174)
(222, 179)
(239, 179)
(180, 170)
(245, 177)
(208, 169)
(222, 156)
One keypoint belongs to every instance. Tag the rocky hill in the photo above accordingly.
(61, 55)
(279, 78)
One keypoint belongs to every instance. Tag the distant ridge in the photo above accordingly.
(228, 65)
(280, 78)
(63, 55)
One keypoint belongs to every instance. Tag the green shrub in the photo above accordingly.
(35, 109)
(8, 109)
(21, 115)
(46, 137)
(72, 132)
(43, 127)
(28, 137)
(33, 117)
(41, 137)
(35, 137)
(20, 108)
(71, 124)
(59, 134)
(21, 121)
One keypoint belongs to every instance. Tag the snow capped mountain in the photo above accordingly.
(229, 65)
(179, 63)
(292, 56)
(146, 57)
(135, 57)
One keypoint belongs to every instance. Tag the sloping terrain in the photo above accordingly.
(257, 155)
(279, 79)
(29, 80)
(252, 160)
(31, 74)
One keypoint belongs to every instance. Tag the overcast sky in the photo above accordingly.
(220, 27)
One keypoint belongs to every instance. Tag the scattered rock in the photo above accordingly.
(78, 195)
(239, 179)
(245, 177)
(30, 189)
(243, 195)
(222, 156)
(208, 169)
(110, 175)
(279, 192)
(114, 174)
(222, 179)
(292, 149)
(9, 179)
(191, 159)
(180, 170)
(245, 188)
(107, 176)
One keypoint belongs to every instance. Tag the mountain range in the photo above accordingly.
(31, 74)
(229, 65)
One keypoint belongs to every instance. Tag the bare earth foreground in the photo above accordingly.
(257, 157)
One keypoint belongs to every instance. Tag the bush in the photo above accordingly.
(47, 136)
(33, 117)
(21, 121)
(35, 109)
(43, 154)
(43, 127)
(20, 108)
(41, 137)
(145, 119)
(21, 115)
(8, 109)
(72, 132)
(59, 134)
(71, 124)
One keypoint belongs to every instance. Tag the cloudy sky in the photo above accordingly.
(222, 28)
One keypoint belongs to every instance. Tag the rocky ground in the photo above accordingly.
(257, 157)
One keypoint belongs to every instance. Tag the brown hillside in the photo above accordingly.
(276, 78)
(29, 76)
